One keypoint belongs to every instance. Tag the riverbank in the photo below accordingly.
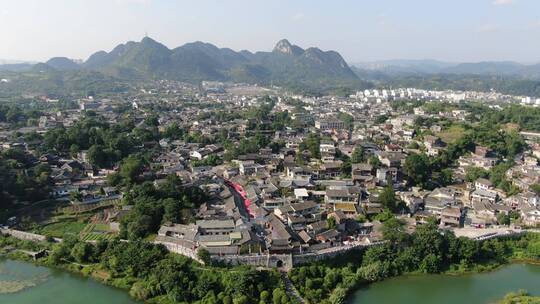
(29, 283)
(149, 273)
(14, 249)
(522, 296)
(481, 288)
(137, 266)
(426, 251)
(90, 271)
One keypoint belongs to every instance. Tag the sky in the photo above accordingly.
(361, 30)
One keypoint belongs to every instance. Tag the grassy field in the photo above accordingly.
(79, 222)
(452, 134)
(60, 228)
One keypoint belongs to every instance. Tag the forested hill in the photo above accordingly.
(286, 65)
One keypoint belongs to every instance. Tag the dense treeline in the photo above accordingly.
(487, 129)
(43, 80)
(528, 118)
(152, 207)
(21, 179)
(16, 114)
(151, 273)
(106, 144)
(427, 250)
(521, 297)
(430, 172)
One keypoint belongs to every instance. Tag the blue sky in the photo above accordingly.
(361, 30)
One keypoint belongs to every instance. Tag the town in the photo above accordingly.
(269, 152)
(261, 176)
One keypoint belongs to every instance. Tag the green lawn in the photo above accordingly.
(60, 228)
(101, 228)
(451, 134)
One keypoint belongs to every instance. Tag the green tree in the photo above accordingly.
(338, 296)
(243, 299)
(277, 295)
(114, 179)
(172, 210)
(264, 297)
(374, 271)
(312, 143)
(97, 156)
(474, 173)
(430, 264)
(76, 196)
(417, 169)
(381, 119)
(535, 188)
(503, 219)
(131, 167)
(139, 227)
(374, 161)
(73, 150)
(82, 252)
(358, 155)
(331, 222)
(204, 256)
(393, 230)
(388, 199)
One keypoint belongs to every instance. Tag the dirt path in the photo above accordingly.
(290, 289)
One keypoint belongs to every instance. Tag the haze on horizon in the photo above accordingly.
(449, 30)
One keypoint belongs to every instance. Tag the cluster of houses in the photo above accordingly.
(310, 206)
(384, 95)
(276, 200)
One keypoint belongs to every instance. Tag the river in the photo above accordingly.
(446, 289)
(25, 283)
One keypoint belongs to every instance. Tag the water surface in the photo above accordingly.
(25, 283)
(445, 289)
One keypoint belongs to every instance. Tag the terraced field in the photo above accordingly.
(83, 208)
(96, 232)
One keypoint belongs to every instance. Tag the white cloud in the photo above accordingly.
(298, 16)
(487, 28)
(384, 21)
(503, 2)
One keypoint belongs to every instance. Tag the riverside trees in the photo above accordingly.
(150, 272)
(427, 250)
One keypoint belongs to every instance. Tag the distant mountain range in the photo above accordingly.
(286, 64)
(417, 67)
(308, 70)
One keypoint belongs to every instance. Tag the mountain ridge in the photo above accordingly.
(430, 67)
(286, 64)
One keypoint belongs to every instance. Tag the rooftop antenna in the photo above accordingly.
(146, 34)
